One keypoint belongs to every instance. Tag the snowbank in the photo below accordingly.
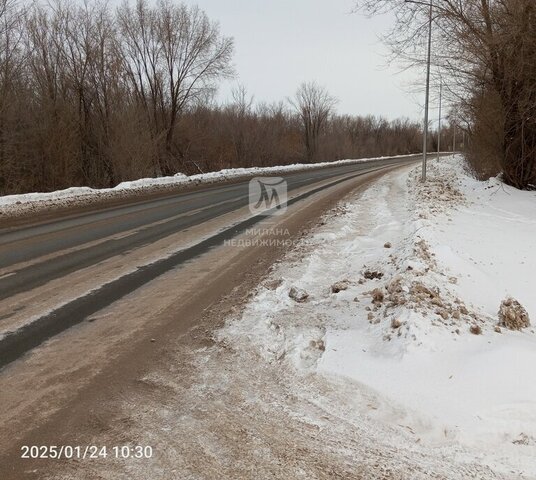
(424, 269)
(15, 201)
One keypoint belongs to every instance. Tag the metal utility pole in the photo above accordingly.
(454, 135)
(427, 99)
(439, 124)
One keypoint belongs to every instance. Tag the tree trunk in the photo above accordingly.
(519, 150)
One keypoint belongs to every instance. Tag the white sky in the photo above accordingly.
(281, 43)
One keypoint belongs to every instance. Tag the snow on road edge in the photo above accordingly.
(12, 205)
(390, 293)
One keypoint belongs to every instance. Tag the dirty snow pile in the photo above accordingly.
(423, 293)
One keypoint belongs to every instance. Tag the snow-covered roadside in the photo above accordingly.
(12, 204)
(389, 290)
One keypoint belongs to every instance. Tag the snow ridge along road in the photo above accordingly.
(33, 258)
(400, 291)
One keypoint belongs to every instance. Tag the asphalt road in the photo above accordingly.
(33, 255)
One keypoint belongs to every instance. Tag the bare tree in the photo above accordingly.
(314, 105)
(11, 60)
(90, 62)
(483, 47)
(239, 126)
(173, 54)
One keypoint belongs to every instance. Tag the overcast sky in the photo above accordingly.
(281, 43)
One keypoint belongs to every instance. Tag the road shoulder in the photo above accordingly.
(95, 386)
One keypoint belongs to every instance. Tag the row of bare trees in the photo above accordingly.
(486, 51)
(244, 134)
(90, 96)
(95, 96)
